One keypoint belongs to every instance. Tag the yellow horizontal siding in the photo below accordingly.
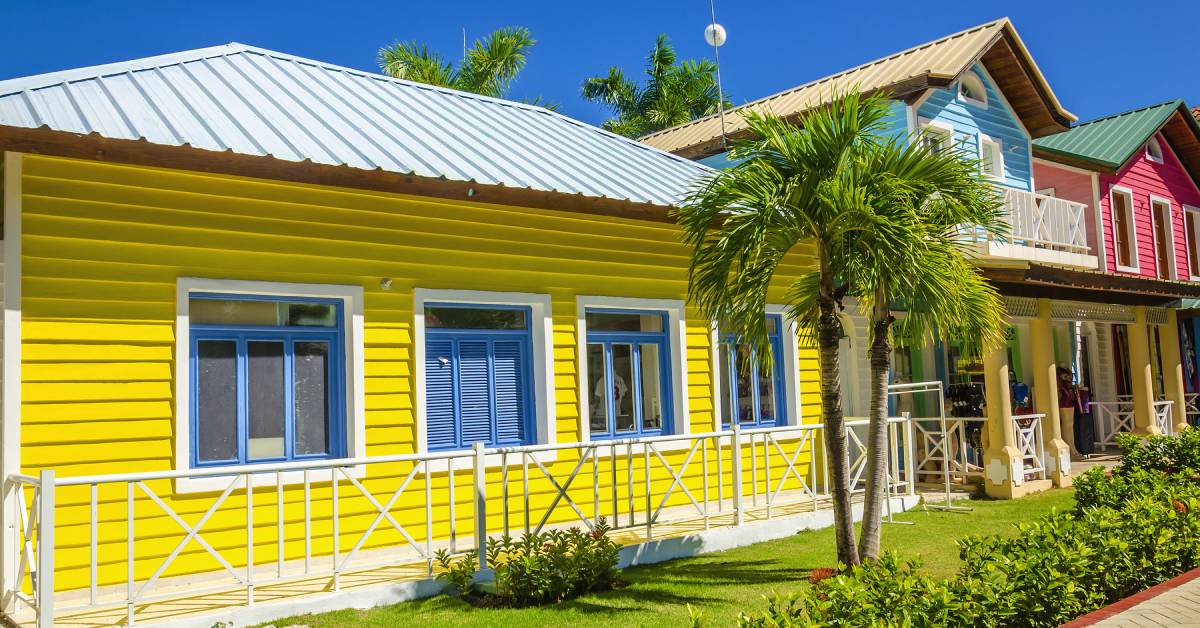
(103, 245)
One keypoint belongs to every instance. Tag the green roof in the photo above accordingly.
(1110, 141)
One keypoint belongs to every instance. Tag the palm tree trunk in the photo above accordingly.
(880, 355)
(829, 333)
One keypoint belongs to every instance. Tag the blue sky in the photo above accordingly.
(1096, 65)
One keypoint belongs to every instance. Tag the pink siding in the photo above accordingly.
(1168, 180)
(1071, 185)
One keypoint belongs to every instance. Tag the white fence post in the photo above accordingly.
(480, 504)
(45, 549)
(737, 475)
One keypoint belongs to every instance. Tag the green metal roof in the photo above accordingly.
(1110, 141)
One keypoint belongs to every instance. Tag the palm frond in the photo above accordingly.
(493, 62)
(415, 62)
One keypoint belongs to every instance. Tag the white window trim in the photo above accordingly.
(938, 125)
(982, 88)
(1173, 270)
(1192, 238)
(676, 337)
(1161, 152)
(986, 141)
(352, 297)
(1132, 222)
(791, 373)
(541, 331)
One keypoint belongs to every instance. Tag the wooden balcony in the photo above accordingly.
(1042, 229)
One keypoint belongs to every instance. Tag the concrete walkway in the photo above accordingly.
(1175, 602)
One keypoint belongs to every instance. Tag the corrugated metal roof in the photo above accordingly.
(263, 103)
(945, 58)
(1112, 140)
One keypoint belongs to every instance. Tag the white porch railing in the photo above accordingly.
(1045, 222)
(1027, 430)
(1192, 411)
(1163, 417)
(1111, 418)
(952, 451)
(632, 483)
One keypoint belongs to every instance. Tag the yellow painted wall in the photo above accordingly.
(103, 245)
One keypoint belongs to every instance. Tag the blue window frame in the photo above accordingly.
(750, 396)
(267, 379)
(478, 375)
(629, 373)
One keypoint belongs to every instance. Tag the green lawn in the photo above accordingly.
(720, 584)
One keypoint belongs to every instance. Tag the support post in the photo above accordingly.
(1173, 372)
(480, 482)
(737, 474)
(1003, 466)
(1045, 396)
(45, 549)
(1141, 374)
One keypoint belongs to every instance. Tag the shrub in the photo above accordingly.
(540, 568)
(1178, 454)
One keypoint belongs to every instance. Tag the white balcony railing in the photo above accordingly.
(1041, 227)
(1027, 430)
(637, 485)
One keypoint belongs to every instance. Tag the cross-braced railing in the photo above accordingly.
(1045, 222)
(134, 535)
(956, 451)
(1163, 411)
(1111, 418)
(1192, 410)
(1027, 432)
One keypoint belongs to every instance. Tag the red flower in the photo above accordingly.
(1179, 506)
(821, 573)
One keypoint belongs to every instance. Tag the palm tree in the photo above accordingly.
(912, 255)
(489, 68)
(870, 208)
(675, 92)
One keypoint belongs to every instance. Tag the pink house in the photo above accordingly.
(1139, 169)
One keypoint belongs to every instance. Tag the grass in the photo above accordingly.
(721, 584)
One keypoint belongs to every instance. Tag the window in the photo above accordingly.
(937, 137)
(1164, 253)
(751, 394)
(1154, 151)
(971, 89)
(1191, 224)
(628, 372)
(478, 375)
(1125, 247)
(991, 157)
(267, 378)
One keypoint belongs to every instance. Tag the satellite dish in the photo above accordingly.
(714, 34)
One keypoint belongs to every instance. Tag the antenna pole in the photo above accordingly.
(464, 30)
(712, 7)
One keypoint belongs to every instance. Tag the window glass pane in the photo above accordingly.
(622, 366)
(216, 400)
(474, 318)
(651, 375)
(772, 325)
(766, 389)
(618, 321)
(598, 384)
(1193, 246)
(1120, 213)
(264, 391)
(728, 389)
(311, 375)
(254, 312)
(744, 372)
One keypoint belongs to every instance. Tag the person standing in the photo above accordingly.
(1068, 394)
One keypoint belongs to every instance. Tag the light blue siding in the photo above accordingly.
(720, 161)
(995, 120)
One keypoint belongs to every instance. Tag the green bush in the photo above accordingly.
(1129, 531)
(539, 568)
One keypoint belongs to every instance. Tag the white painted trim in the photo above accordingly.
(1011, 111)
(910, 116)
(790, 335)
(938, 125)
(920, 102)
(1132, 223)
(1098, 218)
(676, 336)
(355, 400)
(1192, 238)
(10, 431)
(986, 140)
(1173, 270)
(541, 331)
(970, 74)
(1154, 141)
(1055, 164)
